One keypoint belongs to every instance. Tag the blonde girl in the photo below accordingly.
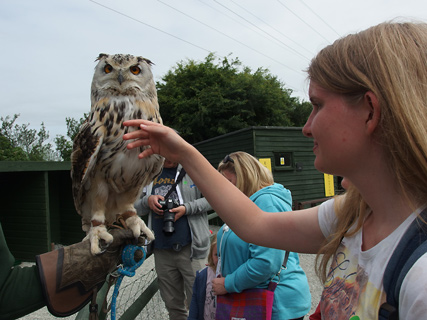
(368, 124)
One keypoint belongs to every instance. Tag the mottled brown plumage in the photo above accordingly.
(107, 178)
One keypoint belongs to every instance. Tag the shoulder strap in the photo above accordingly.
(285, 260)
(178, 180)
(410, 248)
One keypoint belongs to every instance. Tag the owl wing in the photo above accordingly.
(83, 159)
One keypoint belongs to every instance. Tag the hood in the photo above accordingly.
(275, 190)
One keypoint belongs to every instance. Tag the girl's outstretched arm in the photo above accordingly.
(296, 231)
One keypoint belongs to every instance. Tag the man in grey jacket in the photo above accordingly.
(181, 251)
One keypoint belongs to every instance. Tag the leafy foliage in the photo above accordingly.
(64, 145)
(22, 143)
(9, 152)
(207, 99)
(299, 113)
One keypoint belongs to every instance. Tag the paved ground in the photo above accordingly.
(307, 263)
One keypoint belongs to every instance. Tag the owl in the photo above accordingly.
(107, 178)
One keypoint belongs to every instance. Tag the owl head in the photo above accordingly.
(122, 75)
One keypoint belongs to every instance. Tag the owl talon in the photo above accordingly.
(103, 246)
(139, 228)
(100, 239)
(149, 235)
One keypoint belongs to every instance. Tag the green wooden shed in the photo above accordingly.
(37, 207)
(288, 151)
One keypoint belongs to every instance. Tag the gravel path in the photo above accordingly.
(306, 260)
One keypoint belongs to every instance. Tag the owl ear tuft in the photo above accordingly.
(148, 61)
(101, 55)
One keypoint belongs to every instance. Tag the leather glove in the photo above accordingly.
(70, 274)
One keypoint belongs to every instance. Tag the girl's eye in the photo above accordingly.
(316, 105)
(135, 70)
(108, 68)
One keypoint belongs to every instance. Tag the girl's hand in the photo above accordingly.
(218, 286)
(160, 139)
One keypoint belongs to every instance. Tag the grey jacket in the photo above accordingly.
(196, 208)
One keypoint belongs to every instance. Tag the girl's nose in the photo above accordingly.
(306, 130)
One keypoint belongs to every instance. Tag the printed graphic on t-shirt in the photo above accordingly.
(163, 190)
(348, 293)
(163, 183)
(164, 180)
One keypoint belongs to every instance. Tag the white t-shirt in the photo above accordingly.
(354, 287)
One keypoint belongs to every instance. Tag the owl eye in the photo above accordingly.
(135, 70)
(108, 68)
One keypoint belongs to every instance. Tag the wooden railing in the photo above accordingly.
(308, 204)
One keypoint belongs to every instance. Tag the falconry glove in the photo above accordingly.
(71, 275)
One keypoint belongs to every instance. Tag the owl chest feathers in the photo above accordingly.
(120, 167)
(108, 114)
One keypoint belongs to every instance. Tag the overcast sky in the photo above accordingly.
(48, 47)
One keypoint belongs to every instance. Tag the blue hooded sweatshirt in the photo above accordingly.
(247, 266)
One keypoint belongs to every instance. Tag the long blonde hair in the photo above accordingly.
(390, 60)
(251, 175)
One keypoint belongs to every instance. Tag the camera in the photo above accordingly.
(168, 217)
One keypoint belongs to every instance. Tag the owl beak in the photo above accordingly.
(120, 78)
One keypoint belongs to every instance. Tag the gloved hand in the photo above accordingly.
(69, 274)
(79, 265)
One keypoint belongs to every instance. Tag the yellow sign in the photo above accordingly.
(266, 162)
(329, 185)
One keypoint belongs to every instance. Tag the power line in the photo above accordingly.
(314, 12)
(229, 17)
(303, 21)
(150, 26)
(280, 43)
(278, 31)
(274, 38)
(224, 34)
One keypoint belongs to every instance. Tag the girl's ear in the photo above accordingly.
(374, 111)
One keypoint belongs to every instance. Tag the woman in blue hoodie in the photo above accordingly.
(244, 265)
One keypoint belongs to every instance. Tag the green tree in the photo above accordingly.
(300, 113)
(64, 145)
(210, 98)
(10, 153)
(31, 142)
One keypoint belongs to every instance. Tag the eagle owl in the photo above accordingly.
(107, 178)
